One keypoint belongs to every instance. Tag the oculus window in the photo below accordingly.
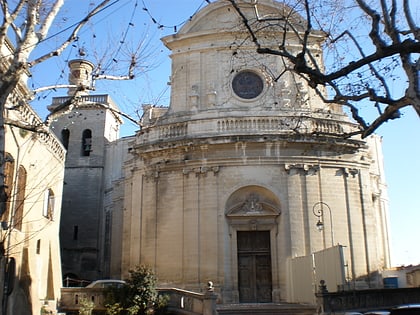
(247, 84)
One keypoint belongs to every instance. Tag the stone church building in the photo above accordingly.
(230, 182)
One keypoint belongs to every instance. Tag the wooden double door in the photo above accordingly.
(254, 266)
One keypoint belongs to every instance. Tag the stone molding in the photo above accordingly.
(201, 170)
(307, 169)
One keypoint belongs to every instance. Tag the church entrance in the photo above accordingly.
(254, 266)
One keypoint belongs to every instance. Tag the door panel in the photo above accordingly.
(254, 266)
(263, 278)
(246, 278)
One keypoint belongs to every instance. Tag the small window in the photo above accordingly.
(65, 137)
(86, 142)
(49, 199)
(38, 247)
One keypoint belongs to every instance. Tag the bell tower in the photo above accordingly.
(86, 124)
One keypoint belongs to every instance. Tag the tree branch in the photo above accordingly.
(50, 18)
(410, 21)
(246, 23)
(376, 19)
(73, 34)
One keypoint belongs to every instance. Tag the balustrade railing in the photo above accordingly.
(102, 99)
(191, 303)
(245, 126)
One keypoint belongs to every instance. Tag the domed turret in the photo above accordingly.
(80, 75)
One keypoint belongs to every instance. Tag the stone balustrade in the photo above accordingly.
(72, 299)
(286, 125)
(101, 99)
(191, 303)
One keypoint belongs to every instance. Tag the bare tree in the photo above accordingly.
(371, 52)
(25, 25)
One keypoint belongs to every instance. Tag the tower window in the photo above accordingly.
(86, 142)
(65, 137)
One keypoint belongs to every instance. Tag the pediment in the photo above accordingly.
(220, 15)
(253, 207)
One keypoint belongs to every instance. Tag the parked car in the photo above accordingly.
(107, 283)
(377, 313)
(409, 309)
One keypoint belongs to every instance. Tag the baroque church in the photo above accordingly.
(242, 180)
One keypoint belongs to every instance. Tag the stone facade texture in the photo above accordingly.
(223, 183)
(34, 169)
(216, 164)
(87, 131)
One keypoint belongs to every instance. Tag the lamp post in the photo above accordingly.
(318, 210)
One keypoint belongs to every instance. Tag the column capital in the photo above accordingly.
(307, 169)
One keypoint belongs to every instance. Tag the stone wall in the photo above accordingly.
(362, 300)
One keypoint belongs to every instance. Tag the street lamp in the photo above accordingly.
(320, 225)
(318, 210)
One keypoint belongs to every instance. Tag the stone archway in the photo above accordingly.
(252, 213)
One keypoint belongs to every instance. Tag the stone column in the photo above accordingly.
(190, 264)
(295, 210)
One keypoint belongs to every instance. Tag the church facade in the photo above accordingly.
(228, 183)
(231, 181)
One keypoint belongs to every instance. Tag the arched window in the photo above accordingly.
(65, 137)
(49, 199)
(20, 197)
(5, 195)
(86, 142)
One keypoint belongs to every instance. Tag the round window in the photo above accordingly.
(247, 85)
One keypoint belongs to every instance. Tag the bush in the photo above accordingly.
(138, 296)
(86, 307)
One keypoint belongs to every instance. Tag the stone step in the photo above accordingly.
(266, 309)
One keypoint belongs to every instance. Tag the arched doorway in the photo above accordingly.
(252, 214)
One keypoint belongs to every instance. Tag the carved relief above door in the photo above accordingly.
(253, 209)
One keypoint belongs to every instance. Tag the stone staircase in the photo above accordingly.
(266, 309)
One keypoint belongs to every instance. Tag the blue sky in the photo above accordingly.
(400, 137)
